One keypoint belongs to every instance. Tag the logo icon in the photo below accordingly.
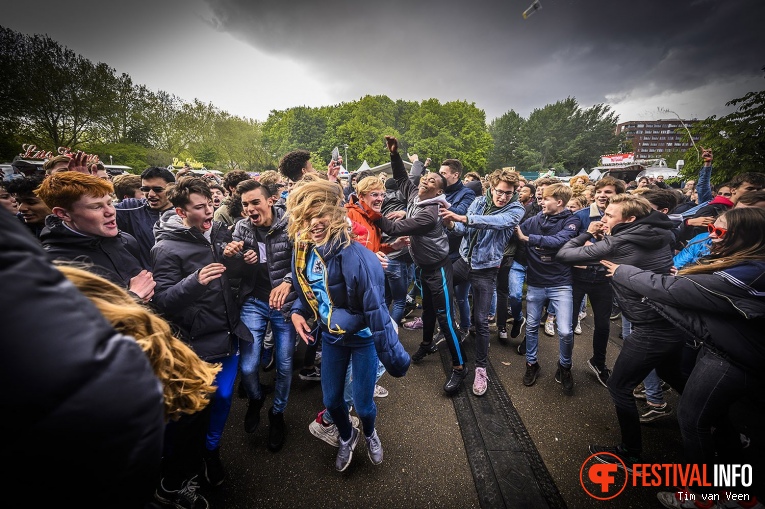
(603, 481)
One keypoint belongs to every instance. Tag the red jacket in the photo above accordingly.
(358, 212)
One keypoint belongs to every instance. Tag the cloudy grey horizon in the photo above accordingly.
(645, 60)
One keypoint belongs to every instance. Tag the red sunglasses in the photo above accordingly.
(719, 232)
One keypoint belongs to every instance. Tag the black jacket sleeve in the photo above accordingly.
(84, 402)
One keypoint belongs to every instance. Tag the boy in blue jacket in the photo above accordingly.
(546, 278)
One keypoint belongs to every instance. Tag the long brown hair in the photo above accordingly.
(186, 379)
(742, 242)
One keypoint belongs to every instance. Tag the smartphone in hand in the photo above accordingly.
(336, 156)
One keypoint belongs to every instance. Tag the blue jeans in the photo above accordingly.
(335, 359)
(461, 293)
(256, 315)
(515, 289)
(398, 276)
(348, 391)
(220, 405)
(562, 298)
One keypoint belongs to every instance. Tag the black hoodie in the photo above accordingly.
(645, 243)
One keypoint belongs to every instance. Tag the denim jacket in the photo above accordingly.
(493, 231)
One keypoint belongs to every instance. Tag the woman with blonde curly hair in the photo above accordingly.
(341, 285)
(186, 382)
(186, 379)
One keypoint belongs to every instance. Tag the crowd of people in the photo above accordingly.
(218, 279)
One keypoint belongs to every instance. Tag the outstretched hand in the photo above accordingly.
(706, 155)
(79, 162)
(611, 266)
(391, 143)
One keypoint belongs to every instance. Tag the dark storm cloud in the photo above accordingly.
(485, 52)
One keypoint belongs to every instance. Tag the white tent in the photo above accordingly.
(364, 166)
(594, 175)
(582, 172)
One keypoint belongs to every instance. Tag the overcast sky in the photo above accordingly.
(252, 56)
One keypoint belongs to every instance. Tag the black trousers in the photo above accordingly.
(438, 305)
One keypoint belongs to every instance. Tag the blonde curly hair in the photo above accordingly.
(186, 379)
(316, 198)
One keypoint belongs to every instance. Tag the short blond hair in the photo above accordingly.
(558, 191)
(631, 205)
(369, 184)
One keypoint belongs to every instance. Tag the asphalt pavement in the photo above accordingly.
(515, 446)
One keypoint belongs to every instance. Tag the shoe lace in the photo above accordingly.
(373, 442)
(189, 490)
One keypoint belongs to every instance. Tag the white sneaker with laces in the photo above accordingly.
(328, 432)
(578, 328)
(380, 392)
(550, 325)
(480, 382)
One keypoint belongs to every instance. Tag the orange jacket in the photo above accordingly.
(360, 213)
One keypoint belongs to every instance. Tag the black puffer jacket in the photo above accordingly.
(113, 258)
(82, 400)
(278, 256)
(644, 243)
(725, 310)
(204, 314)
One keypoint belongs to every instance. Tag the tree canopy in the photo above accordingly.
(52, 97)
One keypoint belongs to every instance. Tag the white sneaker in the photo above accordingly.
(550, 325)
(380, 392)
(328, 432)
(578, 328)
(480, 382)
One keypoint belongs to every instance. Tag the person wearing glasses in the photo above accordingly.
(486, 230)
(632, 232)
(719, 303)
(138, 217)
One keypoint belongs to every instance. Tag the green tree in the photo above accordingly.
(506, 132)
(737, 140)
(565, 137)
(58, 96)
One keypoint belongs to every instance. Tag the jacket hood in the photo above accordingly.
(749, 277)
(722, 200)
(643, 231)
(169, 225)
(56, 230)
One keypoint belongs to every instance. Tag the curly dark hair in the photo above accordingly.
(292, 164)
(24, 187)
(232, 179)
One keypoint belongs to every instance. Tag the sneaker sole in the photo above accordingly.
(479, 393)
(597, 373)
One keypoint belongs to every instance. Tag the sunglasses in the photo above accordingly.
(719, 232)
(156, 189)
